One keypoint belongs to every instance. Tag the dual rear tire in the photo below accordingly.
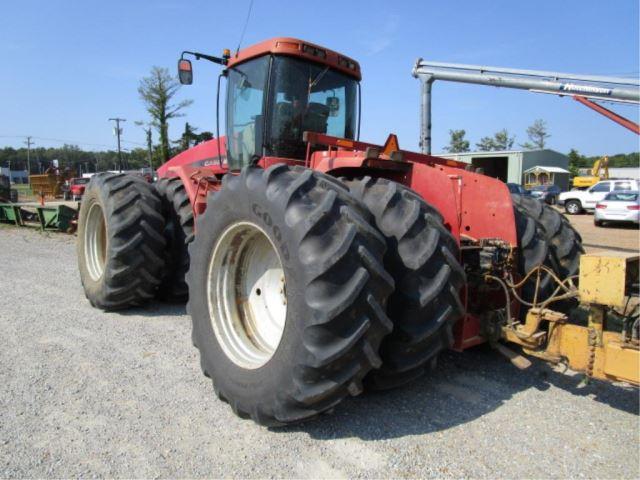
(290, 249)
(120, 241)
(545, 237)
(289, 295)
(179, 233)
(423, 258)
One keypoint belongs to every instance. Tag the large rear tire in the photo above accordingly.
(546, 237)
(120, 241)
(565, 242)
(422, 257)
(287, 293)
(178, 233)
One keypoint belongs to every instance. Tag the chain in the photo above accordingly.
(593, 340)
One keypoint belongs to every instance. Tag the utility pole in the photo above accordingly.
(147, 131)
(150, 148)
(28, 143)
(118, 133)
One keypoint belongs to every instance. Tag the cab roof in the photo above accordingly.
(302, 49)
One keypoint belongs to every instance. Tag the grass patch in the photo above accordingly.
(24, 188)
(24, 191)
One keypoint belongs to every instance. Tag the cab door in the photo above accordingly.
(596, 193)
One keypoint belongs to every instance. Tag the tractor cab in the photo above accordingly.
(278, 89)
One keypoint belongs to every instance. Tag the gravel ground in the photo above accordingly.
(86, 393)
(622, 236)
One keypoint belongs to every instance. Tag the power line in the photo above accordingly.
(134, 143)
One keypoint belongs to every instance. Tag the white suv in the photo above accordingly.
(576, 201)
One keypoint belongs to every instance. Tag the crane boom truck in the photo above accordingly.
(584, 182)
(317, 265)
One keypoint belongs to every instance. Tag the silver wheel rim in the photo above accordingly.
(573, 208)
(246, 291)
(95, 242)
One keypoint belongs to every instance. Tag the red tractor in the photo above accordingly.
(77, 187)
(315, 265)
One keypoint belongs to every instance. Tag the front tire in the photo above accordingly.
(422, 257)
(321, 257)
(573, 207)
(120, 241)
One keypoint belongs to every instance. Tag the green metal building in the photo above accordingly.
(510, 165)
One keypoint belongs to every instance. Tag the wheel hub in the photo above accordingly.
(247, 295)
(95, 242)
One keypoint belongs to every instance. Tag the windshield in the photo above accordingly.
(308, 97)
(539, 188)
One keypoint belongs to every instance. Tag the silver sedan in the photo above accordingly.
(618, 206)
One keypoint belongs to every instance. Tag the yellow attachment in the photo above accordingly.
(612, 361)
(599, 354)
(604, 275)
(621, 361)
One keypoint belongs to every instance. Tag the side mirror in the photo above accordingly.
(334, 106)
(185, 72)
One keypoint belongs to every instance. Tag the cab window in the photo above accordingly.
(245, 99)
(622, 186)
(600, 187)
(306, 96)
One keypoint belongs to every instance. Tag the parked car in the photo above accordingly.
(620, 206)
(577, 201)
(518, 189)
(546, 193)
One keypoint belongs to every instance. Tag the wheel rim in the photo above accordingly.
(246, 291)
(572, 207)
(95, 241)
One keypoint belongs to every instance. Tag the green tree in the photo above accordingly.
(501, 140)
(204, 136)
(188, 138)
(157, 92)
(457, 142)
(575, 162)
(71, 157)
(538, 134)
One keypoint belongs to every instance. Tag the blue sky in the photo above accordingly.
(67, 66)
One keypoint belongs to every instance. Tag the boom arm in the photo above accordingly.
(584, 88)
